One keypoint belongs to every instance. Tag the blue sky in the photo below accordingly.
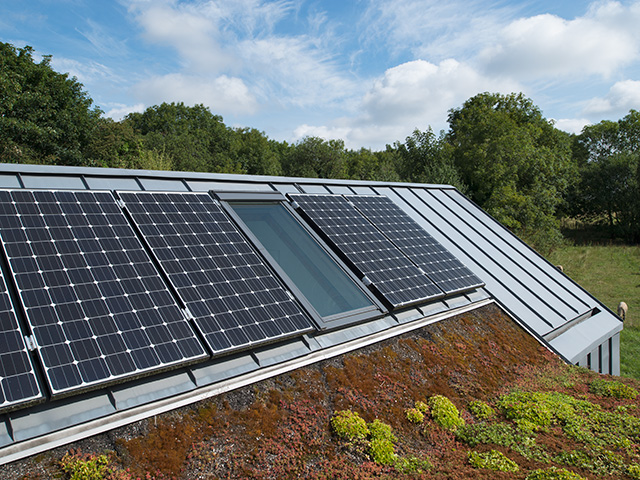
(365, 71)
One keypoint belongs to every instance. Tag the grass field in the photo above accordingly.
(612, 274)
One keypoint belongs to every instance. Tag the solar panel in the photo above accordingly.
(98, 308)
(234, 297)
(398, 280)
(17, 378)
(451, 275)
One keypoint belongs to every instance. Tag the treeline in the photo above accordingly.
(499, 150)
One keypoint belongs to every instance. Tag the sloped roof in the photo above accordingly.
(544, 301)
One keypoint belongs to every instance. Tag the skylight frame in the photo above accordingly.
(375, 310)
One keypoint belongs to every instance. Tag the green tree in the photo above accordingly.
(316, 158)
(364, 164)
(609, 191)
(45, 117)
(114, 145)
(426, 158)
(516, 164)
(192, 138)
(253, 152)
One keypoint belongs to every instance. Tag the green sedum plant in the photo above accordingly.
(414, 415)
(597, 460)
(554, 473)
(413, 465)
(85, 467)
(349, 425)
(382, 443)
(481, 410)
(422, 406)
(445, 413)
(613, 389)
(493, 460)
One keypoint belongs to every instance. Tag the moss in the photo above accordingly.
(493, 460)
(349, 425)
(445, 413)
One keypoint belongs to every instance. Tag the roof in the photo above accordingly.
(545, 302)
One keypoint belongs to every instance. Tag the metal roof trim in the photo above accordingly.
(67, 171)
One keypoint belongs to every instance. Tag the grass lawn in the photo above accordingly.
(612, 274)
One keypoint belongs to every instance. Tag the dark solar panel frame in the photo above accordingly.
(370, 253)
(449, 273)
(236, 300)
(99, 310)
(18, 381)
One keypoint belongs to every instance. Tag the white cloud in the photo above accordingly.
(85, 72)
(622, 97)
(118, 111)
(292, 72)
(238, 40)
(193, 32)
(415, 94)
(222, 94)
(572, 125)
(601, 42)
(433, 29)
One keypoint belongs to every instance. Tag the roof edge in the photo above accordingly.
(21, 168)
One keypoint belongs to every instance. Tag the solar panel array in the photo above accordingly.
(17, 378)
(235, 298)
(451, 275)
(397, 279)
(98, 309)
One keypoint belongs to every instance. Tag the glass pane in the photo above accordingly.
(319, 278)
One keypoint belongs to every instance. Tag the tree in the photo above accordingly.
(192, 137)
(516, 164)
(253, 151)
(427, 159)
(114, 145)
(316, 158)
(609, 192)
(45, 117)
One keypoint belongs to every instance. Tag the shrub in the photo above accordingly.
(349, 425)
(414, 415)
(493, 460)
(413, 465)
(382, 443)
(481, 410)
(613, 389)
(554, 473)
(445, 413)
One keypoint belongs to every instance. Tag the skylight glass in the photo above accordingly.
(319, 278)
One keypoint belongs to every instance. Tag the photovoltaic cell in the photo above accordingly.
(451, 275)
(98, 308)
(234, 297)
(398, 280)
(17, 378)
